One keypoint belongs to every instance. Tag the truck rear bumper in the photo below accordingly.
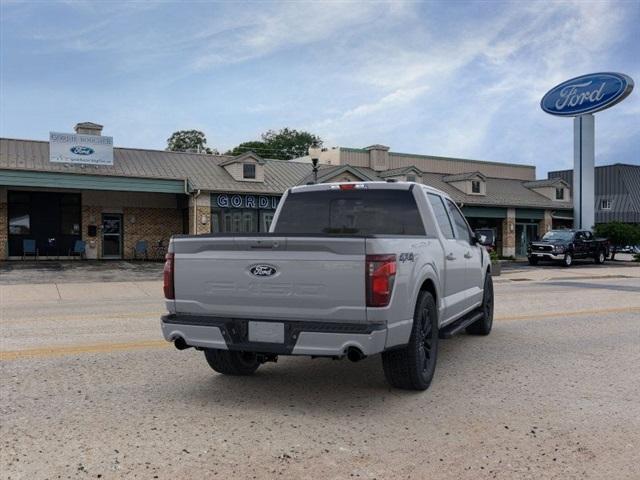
(300, 337)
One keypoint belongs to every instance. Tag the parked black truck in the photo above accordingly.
(566, 245)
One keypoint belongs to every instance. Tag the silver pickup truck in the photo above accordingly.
(348, 269)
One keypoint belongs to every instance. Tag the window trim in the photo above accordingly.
(479, 184)
(560, 190)
(609, 203)
(452, 205)
(447, 213)
(244, 171)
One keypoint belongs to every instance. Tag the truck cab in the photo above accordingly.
(564, 246)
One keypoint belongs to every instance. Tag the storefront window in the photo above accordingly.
(52, 219)
(19, 217)
(19, 220)
(240, 213)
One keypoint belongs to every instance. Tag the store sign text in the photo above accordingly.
(246, 201)
(587, 94)
(80, 149)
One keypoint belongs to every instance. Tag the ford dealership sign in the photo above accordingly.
(80, 149)
(587, 94)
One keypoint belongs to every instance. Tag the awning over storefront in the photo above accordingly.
(25, 178)
(530, 213)
(562, 216)
(484, 212)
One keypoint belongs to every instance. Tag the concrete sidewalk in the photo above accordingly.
(85, 271)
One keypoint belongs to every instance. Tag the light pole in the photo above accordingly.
(314, 153)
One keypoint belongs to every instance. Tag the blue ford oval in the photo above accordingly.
(80, 150)
(587, 94)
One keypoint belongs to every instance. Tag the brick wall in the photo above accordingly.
(545, 224)
(150, 224)
(202, 213)
(91, 215)
(509, 233)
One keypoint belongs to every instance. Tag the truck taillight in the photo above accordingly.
(380, 275)
(169, 290)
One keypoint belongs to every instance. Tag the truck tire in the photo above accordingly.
(600, 257)
(533, 261)
(484, 324)
(232, 363)
(412, 367)
(568, 260)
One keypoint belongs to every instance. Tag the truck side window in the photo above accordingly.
(442, 217)
(462, 229)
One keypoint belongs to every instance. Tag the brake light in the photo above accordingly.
(380, 275)
(167, 274)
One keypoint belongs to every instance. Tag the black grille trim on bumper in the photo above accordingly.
(235, 330)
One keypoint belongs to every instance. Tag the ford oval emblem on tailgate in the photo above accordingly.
(263, 270)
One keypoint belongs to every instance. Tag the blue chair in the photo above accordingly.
(79, 248)
(142, 249)
(29, 248)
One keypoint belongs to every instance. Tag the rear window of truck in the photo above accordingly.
(350, 212)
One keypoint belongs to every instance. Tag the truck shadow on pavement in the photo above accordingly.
(324, 385)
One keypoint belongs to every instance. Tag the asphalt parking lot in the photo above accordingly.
(90, 390)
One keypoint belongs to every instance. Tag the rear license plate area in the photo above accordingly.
(266, 332)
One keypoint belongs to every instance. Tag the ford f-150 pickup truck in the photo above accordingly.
(566, 245)
(350, 269)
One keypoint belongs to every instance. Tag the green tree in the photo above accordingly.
(257, 147)
(619, 234)
(283, 144)
(188, 141)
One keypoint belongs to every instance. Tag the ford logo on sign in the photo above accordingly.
(79, 150)
(587, 94)
(263, 270)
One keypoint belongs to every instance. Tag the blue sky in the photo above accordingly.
(461, 79)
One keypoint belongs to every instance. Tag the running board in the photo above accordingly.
(456, 327)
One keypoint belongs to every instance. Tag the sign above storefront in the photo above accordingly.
(587, 94)
(80, 149)
(225, 200)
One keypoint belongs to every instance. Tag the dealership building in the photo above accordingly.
(114, 198)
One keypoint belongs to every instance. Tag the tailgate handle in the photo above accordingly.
(265, 245)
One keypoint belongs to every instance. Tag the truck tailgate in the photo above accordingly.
(288, 278)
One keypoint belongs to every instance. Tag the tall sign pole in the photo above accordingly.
(580, 97)
(583, 171)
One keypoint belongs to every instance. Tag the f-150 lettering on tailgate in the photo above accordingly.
(270, 289)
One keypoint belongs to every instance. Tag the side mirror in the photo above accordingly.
(481, 239)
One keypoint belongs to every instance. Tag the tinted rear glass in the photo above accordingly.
(351, 212)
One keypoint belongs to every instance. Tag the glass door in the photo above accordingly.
(525, 233)
(112, 235)
(266, 219)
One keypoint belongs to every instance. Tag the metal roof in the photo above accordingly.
(399, 171)
(201, 170)
(499, 191)
(463, 176)
(547, 182)
(206, 172)
(619, 184)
